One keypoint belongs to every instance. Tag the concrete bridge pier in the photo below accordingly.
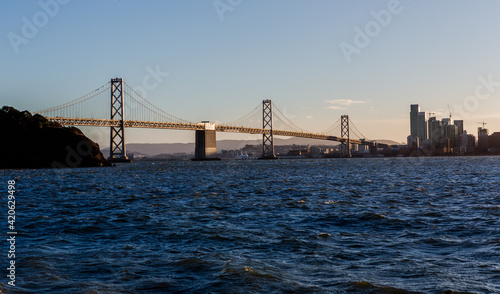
(206, 144)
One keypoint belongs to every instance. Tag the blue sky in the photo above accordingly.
(433, 53)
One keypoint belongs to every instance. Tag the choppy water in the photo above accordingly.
(400, 225)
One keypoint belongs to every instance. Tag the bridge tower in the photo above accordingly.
(267, 124)
(117, 151)
(345, 147)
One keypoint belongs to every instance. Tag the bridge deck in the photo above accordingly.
(186, 126)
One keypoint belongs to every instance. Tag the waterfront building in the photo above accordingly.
(452, 135)
(466, 143)
(432, 124)
(446, 121)
(414, 110)
(482, 139)
(494, 141)
(315, 150)
(437, 133)
(466, 140)
(421, 127)
(447, 135)
(364, 148)
(460, 126)
(418, 124)
(412, 142)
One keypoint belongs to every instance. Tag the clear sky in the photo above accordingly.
(317, 59)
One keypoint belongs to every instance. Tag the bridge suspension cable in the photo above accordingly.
(356, 131)
(137, 114)
(247, 118)
(333, 127)
(58, 110)
(140, 111)
(287, 122)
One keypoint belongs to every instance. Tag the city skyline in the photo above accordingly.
(316, 60)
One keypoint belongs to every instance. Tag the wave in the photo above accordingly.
(367, 287)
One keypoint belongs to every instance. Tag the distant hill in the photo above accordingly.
(389, 142)
(159, 148)
(170, 148)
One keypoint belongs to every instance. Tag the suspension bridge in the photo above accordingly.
(128, 109)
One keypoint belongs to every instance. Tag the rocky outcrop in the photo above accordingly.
(31, 141)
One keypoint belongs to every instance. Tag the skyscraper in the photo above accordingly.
(460, 126)
(431, 124)
(446, 121)
(482, 139)
(452, 134)
(421, 127)
(414, 109)
(437, 132)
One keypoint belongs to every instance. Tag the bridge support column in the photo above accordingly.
(117, 151)
(267, 124)
(206, 144)
(345, 147)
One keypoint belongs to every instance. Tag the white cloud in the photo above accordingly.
(345, 102)
(309, 117)
(334, 107)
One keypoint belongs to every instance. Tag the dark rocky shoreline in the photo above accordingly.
(31, 141)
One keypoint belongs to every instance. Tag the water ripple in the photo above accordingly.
(400, 225)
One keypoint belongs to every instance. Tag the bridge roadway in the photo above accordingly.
(200, 126)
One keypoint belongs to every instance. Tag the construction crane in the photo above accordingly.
(449, 110)
(430, 113)
(482, 123)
